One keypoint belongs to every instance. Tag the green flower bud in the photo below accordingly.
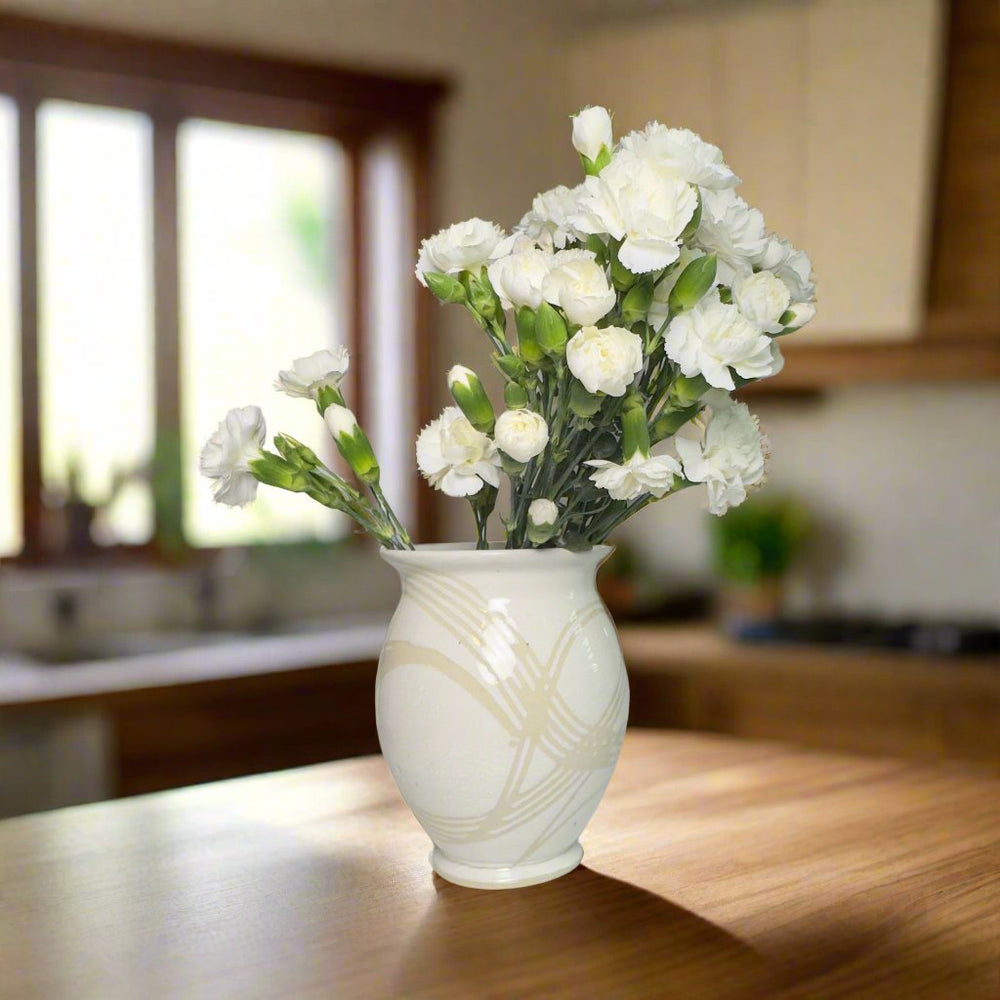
(684, 391)
(482, 298)
(510, 365)
(598, 248)
(326, 396)
(593, 167)
(621, 277)
(583, 403)
(550, 331)
(695, 280)
(670, 421)
(635, 305)
(527, 344)
(274, 471)
(511, 466)
(692, 227)
(514, 396)
(635, 434)
(468, 392)
(444, 286)
(352, 443)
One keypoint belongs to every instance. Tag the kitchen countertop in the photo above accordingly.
(714, 869)
(23, 682)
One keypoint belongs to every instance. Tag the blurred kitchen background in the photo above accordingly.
(193, 194)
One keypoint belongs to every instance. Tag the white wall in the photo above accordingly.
(904, 483)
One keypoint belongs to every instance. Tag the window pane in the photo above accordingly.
(10, 356)
(263, 257)
(392, 423)
(96, 318)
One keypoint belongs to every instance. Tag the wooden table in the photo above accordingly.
(714, 868)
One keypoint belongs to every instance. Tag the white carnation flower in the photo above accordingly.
(792, 266)
(731, 457)
(579, 286)
(548, 222)
(310, 374)
(684, 152)
(455, 457)
(522, 434)
(518, 277)
(641, 201)
(731, 228)
(543, 513)
(635, 476)
(226, 458)
(592, 132)
(762, 298)
(713, 338)
(605, 360)
(465, 246)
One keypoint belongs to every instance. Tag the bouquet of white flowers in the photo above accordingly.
(640, 299)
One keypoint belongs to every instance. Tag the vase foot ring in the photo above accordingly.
(515, 877)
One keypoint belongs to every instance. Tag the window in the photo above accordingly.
(176, 227)
(95, 312)
(264, 264)
(11, 535)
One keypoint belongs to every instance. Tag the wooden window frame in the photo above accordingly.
(170, 82)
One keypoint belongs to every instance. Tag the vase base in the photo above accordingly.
(515, 877)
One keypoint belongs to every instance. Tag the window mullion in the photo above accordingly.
(31, 456)
(168, 472)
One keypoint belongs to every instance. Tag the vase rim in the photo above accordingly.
(440, 554)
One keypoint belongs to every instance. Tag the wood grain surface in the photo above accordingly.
(713, 869)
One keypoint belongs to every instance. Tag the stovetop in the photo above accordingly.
(948, 638)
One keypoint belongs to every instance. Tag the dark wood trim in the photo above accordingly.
(31, 436)
(963, 295)
(28, 40)
(360, 290)
(167, 351)
(422, 169)
(912, 361)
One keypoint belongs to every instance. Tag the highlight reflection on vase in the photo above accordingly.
(501, 704)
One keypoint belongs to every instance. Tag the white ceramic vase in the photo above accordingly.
(501, 703)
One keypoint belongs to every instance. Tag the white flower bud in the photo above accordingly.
(518, 278)
(521, 434)
(802, 313)
(340, 420)
(542, 513)
(592, 132)
(762, 298)
(605, 360)
(579, 286)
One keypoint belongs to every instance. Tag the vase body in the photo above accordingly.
(501, 703)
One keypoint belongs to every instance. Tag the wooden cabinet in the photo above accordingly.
(863, 701)
(829, 111)
(868, 132)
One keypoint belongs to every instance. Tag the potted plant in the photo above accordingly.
(621, 314)
(754, 547)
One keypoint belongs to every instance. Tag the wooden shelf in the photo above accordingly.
(814, 368)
